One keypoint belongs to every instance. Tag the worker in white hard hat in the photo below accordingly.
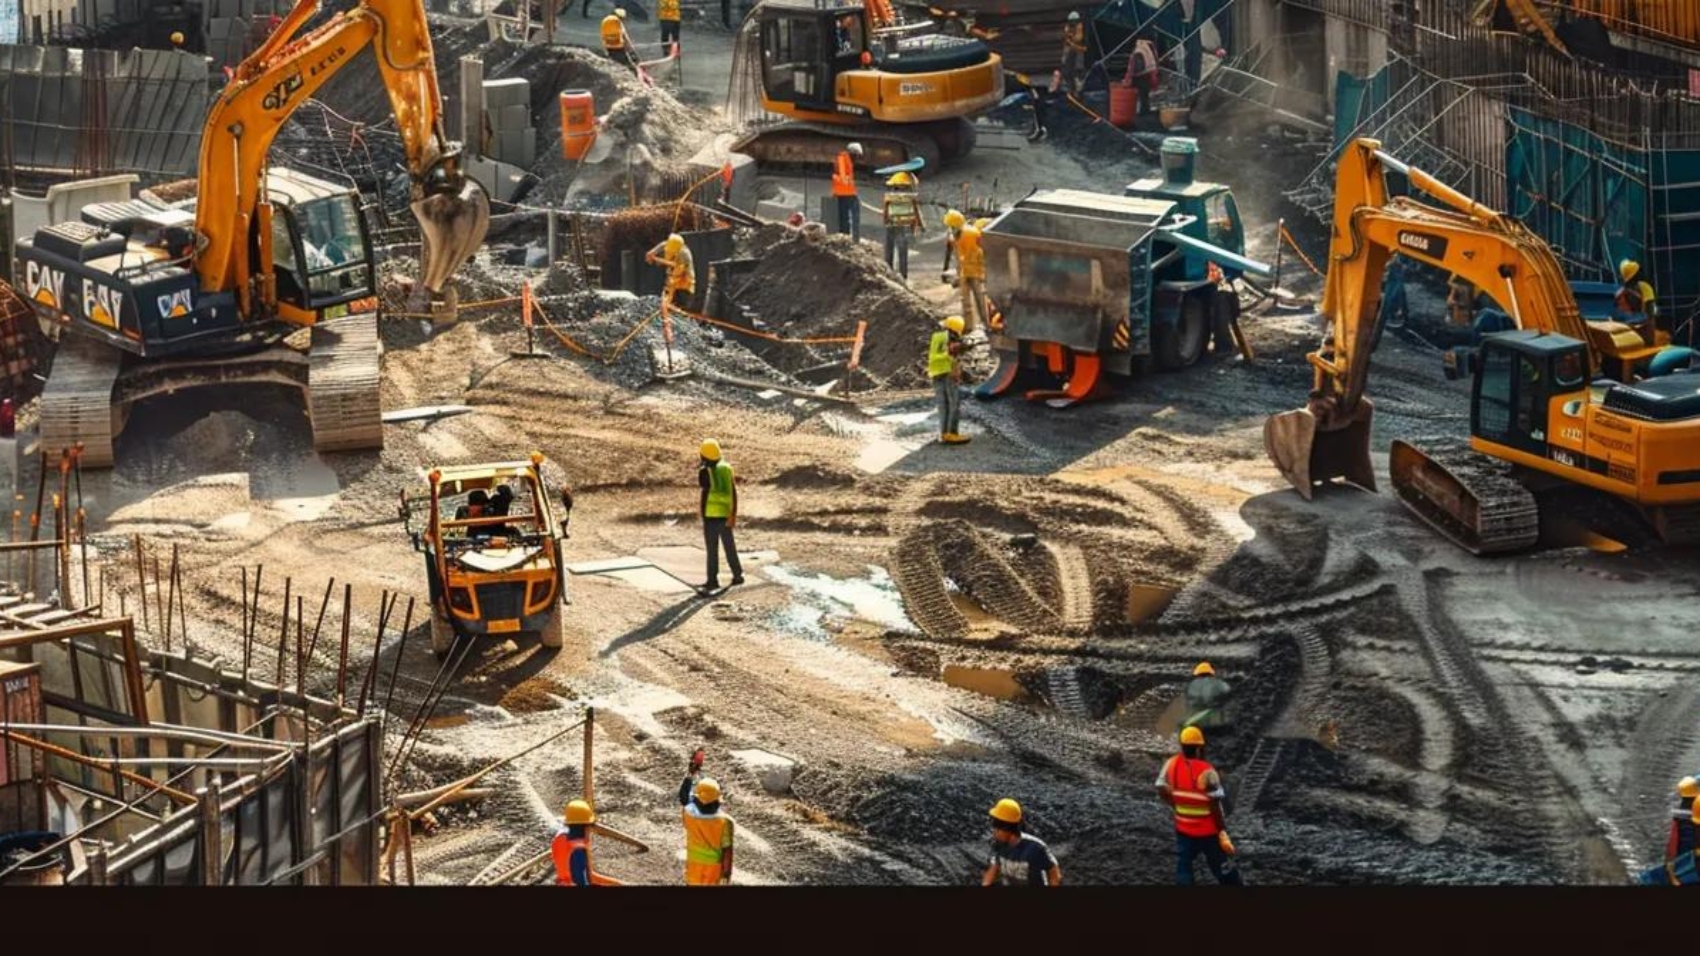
(1074, 53)
(844, 190)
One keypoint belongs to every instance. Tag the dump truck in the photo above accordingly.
(1085, 283)
(492, 548)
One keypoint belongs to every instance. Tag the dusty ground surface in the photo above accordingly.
(942, 627)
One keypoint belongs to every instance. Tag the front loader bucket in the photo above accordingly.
(1305, 456)
(452, 223)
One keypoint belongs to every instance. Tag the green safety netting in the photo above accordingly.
(1586, 196)
(1164, 16)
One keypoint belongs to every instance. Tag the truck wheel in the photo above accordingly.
(442, 636)
(1179, 344)
(554, 631)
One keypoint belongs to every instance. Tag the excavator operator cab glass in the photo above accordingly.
(1222, 219)
(333, 243)
(1570, 369)
(794, 63)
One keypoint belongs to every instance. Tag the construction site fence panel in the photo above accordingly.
(1587, 197)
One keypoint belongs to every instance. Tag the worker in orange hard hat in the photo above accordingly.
(1190, 785)
(1018, 858)
(1206, 699)
(571, 849)
(708, 830)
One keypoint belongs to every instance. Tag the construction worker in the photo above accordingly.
(944, 367)
(615, 41)
(971, 275)
(719, 515)
(667, 12)
(1018, 859)
(674, 255)
(1679, 869)
(1194, 789)
(901, 213)
(1634, 296)
(1460, 301)
(1206, 699)
(1684, 837)
(844, 189)
(1074, 53)
(708, 830)
(1142, 72)
(571, 849)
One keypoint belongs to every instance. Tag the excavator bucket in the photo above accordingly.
(1305, 456)
(453, 220)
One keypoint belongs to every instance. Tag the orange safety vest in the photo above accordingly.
(844, 175)
(613, 33)
(972, 257)
(562, 849)
(1193, 814)
(667, 10)
(707, 838)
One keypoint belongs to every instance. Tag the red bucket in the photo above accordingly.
(1124, 105)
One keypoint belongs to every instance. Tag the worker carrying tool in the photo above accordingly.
(675, 256)
(1018, 858)
(708, 830)
(1206, 699)
(571, 849)
(667, 12)
(963, 240)
(1190, 785)
(719, 512)
(1635, 295)
(944, 367)
(615, 41)
(1074, 53)
(1684, 834)
(844, 190)
(901, 214)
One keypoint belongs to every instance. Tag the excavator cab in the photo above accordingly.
(804, 48)
(321, 253)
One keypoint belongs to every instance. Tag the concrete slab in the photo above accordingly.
(774, 771)
(688, 562)
(651, 578)
(606, 565)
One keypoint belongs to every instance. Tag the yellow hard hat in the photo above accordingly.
(176, 38)
(707, 791)
(1192, 737)
(1204, 669)
(1006, 811)
(675, 242)
(1688, 787)
(954, 219)
(1628, 269)
(579, 813)
(954, 323)
(900, 179)
(711, 449)
(982, 223)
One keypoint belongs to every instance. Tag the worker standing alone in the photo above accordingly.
(944, 367)
(1190, 785)
(1206, 699)
(571, 849)
(901, 214)
(674, 255)
(708, 830)
(615, 41)
(1018, 858)
(1635, 296)
(667, 12)
(844, 190)
(1074, 53)
(719, 515)
(1684, 834)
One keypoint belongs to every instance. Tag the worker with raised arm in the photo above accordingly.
(844, 190)
(571, 849)
(1074, 53)
(615, 41)
(1018, 858)
(1193, 788)
(944, 367)
(675, 256)
(1206, 699)
(1635, 296)
(719, 510)
(901, 215)
(708, 830)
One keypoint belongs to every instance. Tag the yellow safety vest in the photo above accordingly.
(973, 258)
(719, 503)
(613, 33)
(668, 10)
(939, 360)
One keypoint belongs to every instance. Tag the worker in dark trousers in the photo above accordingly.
(571, 849)
(667, 12)
(1193, 788)
(901, 214)
(1018, 858)
(719, 515)
(1073, 67)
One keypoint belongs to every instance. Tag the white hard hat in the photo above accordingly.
(855, 148)
(1073, 16)
(620, 12)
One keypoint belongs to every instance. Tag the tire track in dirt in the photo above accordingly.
(1077, 604)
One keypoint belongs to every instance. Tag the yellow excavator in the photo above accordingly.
(149, 297)
(842, 70)
(1560, 400)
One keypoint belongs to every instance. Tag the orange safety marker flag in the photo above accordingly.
(525, 303)
(856, 348)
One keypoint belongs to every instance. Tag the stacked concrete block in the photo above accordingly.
(507, 110)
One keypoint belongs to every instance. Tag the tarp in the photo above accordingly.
(1355, 100)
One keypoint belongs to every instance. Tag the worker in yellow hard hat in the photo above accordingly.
(944, 367)
(708, 830)
(674, 255)
(615, 41)
(901, 215)
(1206, 699)
(177, 38)
(571, 849)
(1018, 858)
(1193, 788)
(1684, 815)
(719, 510)
(1635, 296)
(964, 240)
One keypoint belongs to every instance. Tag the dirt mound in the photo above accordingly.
(810, 289)
(812, 476)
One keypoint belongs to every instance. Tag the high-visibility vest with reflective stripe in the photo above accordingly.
(939, 360)
(706, 838)
(667, 10)
(1193, 816)
(562, 848)
(613, 33)
(719, 503)
(844, 175)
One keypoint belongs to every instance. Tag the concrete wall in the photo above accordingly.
(155, 102)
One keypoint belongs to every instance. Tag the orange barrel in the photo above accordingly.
(1124, 105)
(578, 123)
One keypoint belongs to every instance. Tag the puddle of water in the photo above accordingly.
(817, 597)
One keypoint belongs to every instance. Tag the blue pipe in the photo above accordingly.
(1673, 359)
